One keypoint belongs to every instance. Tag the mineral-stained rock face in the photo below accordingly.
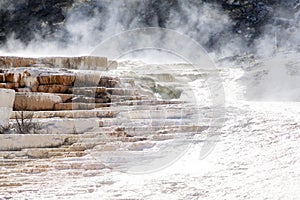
(70, 86)
(53, 88)
(16, 62)
(12, 77)
(84, 62)
(109, 82)
(36, 101)
(37, 76)
(59, 79)
(9, 85)
(2, 78)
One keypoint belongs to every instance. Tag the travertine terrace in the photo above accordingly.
(86, 110)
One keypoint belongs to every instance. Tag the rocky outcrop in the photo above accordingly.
(109, 82)
(2, 78)
(55, 87)
(103, 118)
(52, 88)
(36, 101)
(56, 79)
(83, 62)
(9, 85)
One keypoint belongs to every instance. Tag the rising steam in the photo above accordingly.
(88, 23)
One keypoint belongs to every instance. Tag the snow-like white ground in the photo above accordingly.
(256, 157)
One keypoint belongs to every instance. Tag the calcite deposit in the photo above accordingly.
(31, 101)
(42, 88)
(84, 62)
(85, 108)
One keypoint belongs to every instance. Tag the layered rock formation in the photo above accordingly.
(59, 91)
(84, 122)
(83, 62)
(39, 87)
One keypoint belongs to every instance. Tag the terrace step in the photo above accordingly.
(84, 99)
(122, 91)
(12, 154)
(176, 113)
(14, 142)
(146, 130)
(102, 113)
(122, 98)
(145, 101)
(89, 91)
(10, 162)
(78, 106)
(115, 122)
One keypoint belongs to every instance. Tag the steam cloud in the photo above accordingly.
(87, 23)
